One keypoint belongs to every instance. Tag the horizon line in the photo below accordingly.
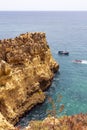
(43, 10)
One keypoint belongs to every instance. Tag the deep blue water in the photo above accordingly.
(64, 31)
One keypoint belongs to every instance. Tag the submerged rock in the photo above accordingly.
(26, 69)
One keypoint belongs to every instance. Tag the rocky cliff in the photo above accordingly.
(26, 70)
(75, 122)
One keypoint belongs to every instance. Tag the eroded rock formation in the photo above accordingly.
(75, 122)
(26, 69)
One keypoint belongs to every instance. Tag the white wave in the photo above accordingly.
(84, 62)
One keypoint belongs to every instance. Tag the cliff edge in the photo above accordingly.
(26, 70)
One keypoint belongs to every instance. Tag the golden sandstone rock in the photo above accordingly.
(4, 124)
(26, 69)
(74, 122)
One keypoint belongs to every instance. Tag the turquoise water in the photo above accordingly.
(65, 31)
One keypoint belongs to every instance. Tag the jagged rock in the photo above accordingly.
(26, 69)
(74, 122)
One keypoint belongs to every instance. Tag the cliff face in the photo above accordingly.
(4, 124)
(26, 69)
(75, 122)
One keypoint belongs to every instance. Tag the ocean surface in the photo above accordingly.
(64, 31)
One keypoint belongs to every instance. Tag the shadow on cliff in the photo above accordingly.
(40, 111)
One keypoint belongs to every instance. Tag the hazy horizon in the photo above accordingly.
(46, 5)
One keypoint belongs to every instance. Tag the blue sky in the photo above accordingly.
(43, 5)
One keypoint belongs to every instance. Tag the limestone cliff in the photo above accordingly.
(26, 69)
(4, 124)
(75, 122)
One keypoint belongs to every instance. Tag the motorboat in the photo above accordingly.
(63, 52)
(77, 61)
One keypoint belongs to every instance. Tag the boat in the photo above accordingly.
(80, 61)
(63, 52)
(77, 61)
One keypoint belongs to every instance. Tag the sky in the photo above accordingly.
(43, 5)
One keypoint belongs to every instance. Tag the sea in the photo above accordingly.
(65, 31)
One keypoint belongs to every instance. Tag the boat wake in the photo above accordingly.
(84, 62)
